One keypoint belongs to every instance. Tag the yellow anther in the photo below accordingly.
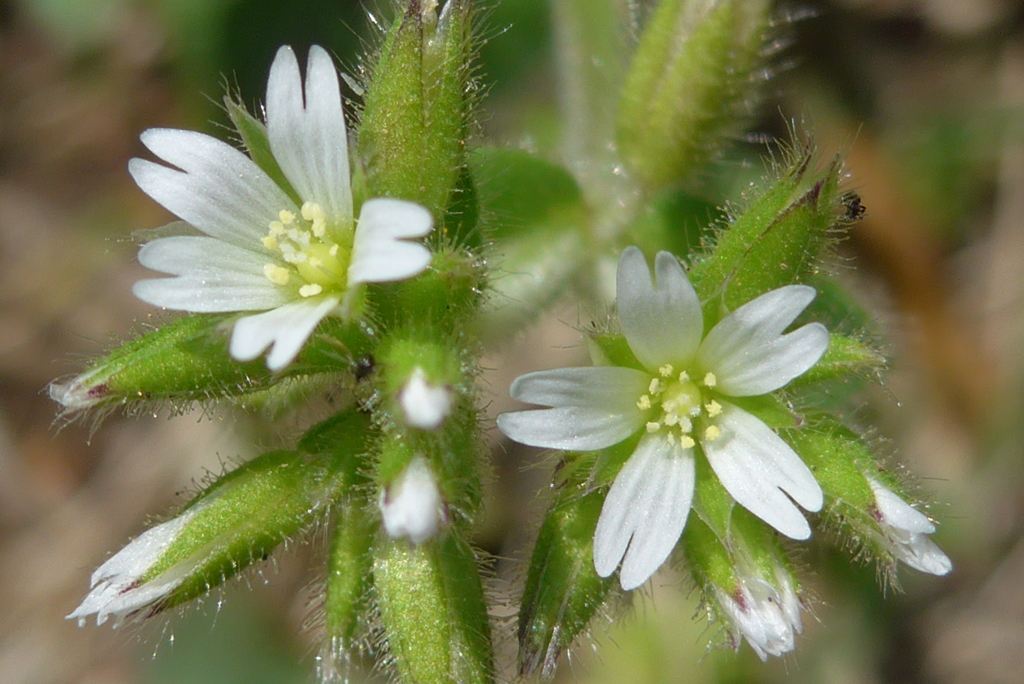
(687, 442)
(307, 211)
(278, 275)
(671, 437)
(710, 380)
(655, 386)
(712, 433)
(666, 370)
(287, 217)
(671, 419)
(310, 290)
(653, 426)
(685, 424)
(270, 241)
(319, 227)
(714, 409)
(643, 403)
(684, 377)
(276, 228)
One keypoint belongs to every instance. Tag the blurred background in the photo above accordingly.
(925, 96)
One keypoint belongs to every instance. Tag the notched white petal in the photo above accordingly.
(218, 190)
(748, 352)
(284, 329)
(381, 252)
(307, 131)
(905, 530)
(213, 276)
(645, 511)
(594, 407)
(662, 322)
(755, 466)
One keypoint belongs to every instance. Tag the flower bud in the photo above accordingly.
(413, 129)
(868, 515)
(412, 505)
(433, 611)
(748, 583)
(563, 591)
(233, 523)
(424, 404)
(777, 239)
(904, 530)
(688, 83)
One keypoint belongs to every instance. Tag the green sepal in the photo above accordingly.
(611, 349)
(447, 294)
(254, 137)
(711, 503)
(433, 610)
(563, 592)
(687, 82)
(845, 357)
(838, 458)
(349, 573)
(770, 409)
(413, 126)
(775, 242)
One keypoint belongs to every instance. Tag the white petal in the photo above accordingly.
(213, 276)
(646, 510)
(286, 328)
(412, 505)
(219, 190)
(380, 253)
(662, 324)
(424, 405)
(748, 352)
(594, 407)
(754, 465)
(897, 512)
(309, 140)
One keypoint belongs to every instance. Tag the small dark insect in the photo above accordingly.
(364, 366)
(854, 209)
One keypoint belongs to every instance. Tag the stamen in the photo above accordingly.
(710, 380)
(276, 228)
(671, 437)
(287, 217)
(666, 370)
(278, 275)
(714, 409)
(671, 419)
(685, 424)
(712, 433)
(684, 377)
(686, 442)
(653, 427)
(655, 386)
(270, 241)
(643, 403)
(310, 290)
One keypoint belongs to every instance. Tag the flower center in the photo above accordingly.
(678, 402)
(312, 260)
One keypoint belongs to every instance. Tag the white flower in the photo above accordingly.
(412, 505)
(424, 404)
(767, 616)
(116, 588)
(679, 402)
(294, 260)
(905, 532)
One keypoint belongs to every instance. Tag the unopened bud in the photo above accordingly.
(412, 505)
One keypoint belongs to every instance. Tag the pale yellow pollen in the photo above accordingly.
(686, 442)
(319, 227)
(310, 290)
(276, 274)
(643, 403)
(684, 377)
(714, 409)
(685, 424)
(671, 419)
(712, 433)
(287, 217)
(270, 241)
(653, 426)
(307, 211)
(710, 380)
(671, 437)
(655, 386)
(333, 251)
(276, 228)
(666, 370)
